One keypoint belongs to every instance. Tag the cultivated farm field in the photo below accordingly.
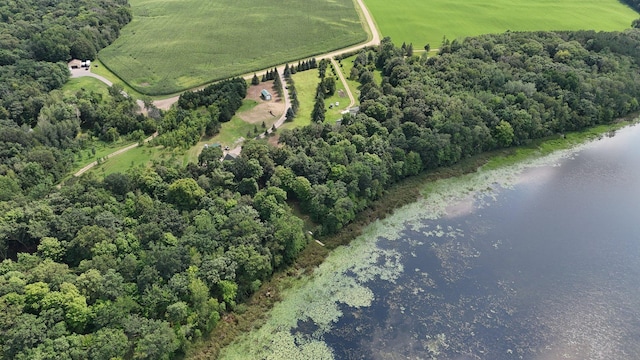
(173, 45)
(427, 22)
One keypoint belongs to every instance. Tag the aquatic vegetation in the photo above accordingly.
(441, 242)
(317, 303)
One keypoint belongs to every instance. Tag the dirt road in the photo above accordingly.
(165, 104)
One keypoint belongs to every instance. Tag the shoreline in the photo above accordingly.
(255, 312)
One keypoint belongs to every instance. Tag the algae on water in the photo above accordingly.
(297, 325)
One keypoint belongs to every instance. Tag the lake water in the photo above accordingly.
(538, 261)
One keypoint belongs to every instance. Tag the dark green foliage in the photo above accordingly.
(277, 83)
(226, 95)
(140, 264)
(290, 115)
(635, 4)
(184, 128)
(39, 126)
(38, 37)
(318, 112)
(480, 94)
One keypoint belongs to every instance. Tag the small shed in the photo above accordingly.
(75, 64)
(265, 94)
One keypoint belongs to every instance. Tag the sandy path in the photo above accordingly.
(352, 100)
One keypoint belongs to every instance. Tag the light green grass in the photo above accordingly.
(354, 85)
(88, 84)
(426, 22)
(175, 45)
(306, 83)
(86, 156)
(140, 156)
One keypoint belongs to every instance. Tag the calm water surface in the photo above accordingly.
(546, 269)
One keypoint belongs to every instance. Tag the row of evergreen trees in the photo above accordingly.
(227, 95)
(326, 87)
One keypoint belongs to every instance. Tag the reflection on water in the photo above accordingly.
(547, 269)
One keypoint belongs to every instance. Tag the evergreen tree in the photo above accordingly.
(317, 115)
(290, 115)
(277, 84)
(255, 80)
(322, 69)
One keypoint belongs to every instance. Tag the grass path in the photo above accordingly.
(117, 152)
(352, 100)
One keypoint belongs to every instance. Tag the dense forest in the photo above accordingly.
(478, 94)
(39, 125)
(139, 265)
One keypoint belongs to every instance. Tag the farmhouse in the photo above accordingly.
(75, 64)
(265, 94)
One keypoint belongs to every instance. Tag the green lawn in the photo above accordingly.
(96, 149)
(139, 157)
(306, 83)
(426, 22)
(175, 45)
(85, 83)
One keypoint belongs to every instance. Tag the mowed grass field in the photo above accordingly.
(427, 22)
(173, 45)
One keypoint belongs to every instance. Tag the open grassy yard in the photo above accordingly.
(175, 45)
(306, 83)
(426, 22)
(85, 83)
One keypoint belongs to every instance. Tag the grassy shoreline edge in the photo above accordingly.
(255, 311)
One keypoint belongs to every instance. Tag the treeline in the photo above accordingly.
(200, 113)
(138, 265)
(635, 4)
(33, 160)
(179, 128)
(479, 94)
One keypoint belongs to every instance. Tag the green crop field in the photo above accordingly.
(176, 45)
(427, 22)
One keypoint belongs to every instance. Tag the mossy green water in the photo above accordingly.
(311, 308)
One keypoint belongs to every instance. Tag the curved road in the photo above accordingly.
(165, 104)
